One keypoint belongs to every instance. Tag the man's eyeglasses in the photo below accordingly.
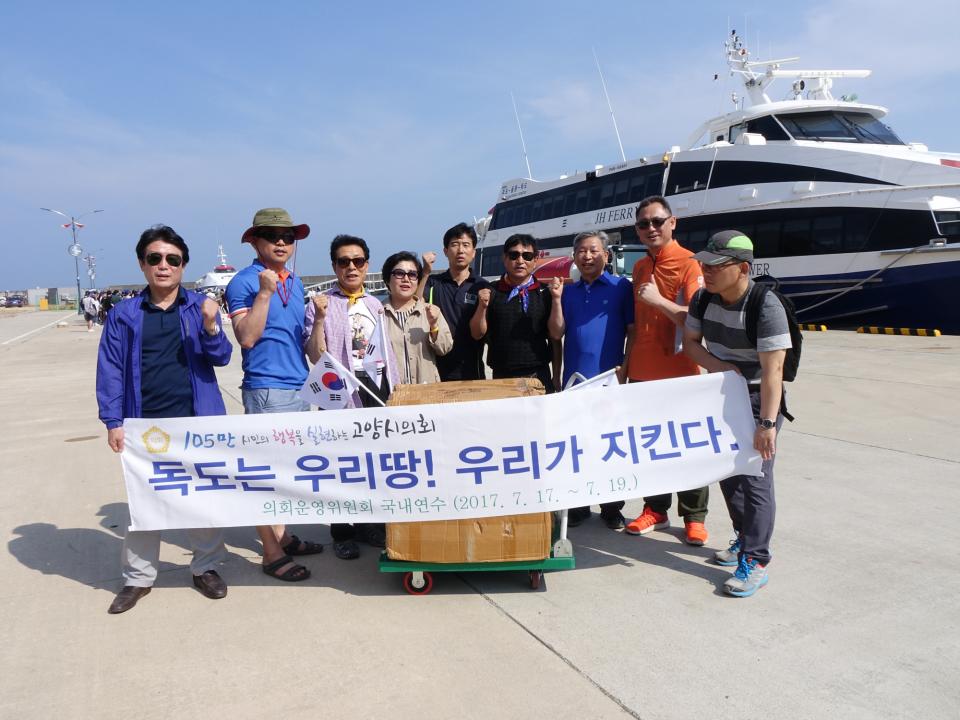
(344, 262)
(154, 259)
(289, 237)
(516, 254)
(401, 274)
(657, 222)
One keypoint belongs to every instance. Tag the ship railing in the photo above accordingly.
(373, 284)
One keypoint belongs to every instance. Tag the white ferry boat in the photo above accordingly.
(220, 276)
(858, 226)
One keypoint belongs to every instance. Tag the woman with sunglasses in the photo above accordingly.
(417, 331)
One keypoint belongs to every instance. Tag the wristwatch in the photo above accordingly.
(767, 424)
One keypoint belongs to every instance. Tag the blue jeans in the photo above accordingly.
(257, 401)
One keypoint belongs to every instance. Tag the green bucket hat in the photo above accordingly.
(274, 218)
(724, 246)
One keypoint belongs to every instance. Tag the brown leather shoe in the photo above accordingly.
(127, 598)
(210, 584)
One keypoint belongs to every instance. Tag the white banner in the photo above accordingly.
(439, 462)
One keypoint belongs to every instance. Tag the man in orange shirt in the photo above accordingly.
(663, 284)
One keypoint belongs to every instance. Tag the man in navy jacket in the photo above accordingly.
(157, 357)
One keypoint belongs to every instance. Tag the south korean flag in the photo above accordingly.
(375, 357)
(329, 384)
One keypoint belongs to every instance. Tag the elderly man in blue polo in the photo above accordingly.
(266, 305)
(596, 315)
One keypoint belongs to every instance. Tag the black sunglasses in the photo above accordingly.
(288, 237)
(401, 274)
(154, 259)
(344, 262)
(515, 254)
(657, 222)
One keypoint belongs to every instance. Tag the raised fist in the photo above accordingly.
(429, 258)
(210, 310)
(320, 302)
(556, 288)
(433, 315)
(268, 281)
(484, 296)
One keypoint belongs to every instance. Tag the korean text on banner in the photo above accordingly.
(439, 462)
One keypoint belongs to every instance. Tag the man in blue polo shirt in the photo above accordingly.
(596, 318)
(267, 310)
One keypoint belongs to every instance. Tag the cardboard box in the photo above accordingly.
(495, 539)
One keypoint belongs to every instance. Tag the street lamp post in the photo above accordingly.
(75, 250)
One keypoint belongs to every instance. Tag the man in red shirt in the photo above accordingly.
(663, 284)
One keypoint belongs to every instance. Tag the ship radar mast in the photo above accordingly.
(816, 83)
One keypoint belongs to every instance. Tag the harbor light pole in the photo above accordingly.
(75, 250)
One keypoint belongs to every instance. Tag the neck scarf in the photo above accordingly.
(351, 297)
(522, 290)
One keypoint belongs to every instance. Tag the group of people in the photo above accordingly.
(95, 305)
(680, 313)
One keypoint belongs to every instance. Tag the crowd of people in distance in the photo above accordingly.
(96, 304)
(679, 314)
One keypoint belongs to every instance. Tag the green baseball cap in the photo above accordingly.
(724, 246)
(276, 218)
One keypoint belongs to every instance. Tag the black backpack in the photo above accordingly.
(761, 286)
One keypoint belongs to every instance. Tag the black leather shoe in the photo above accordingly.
(127, 598)
(210, 584)
(346, 550)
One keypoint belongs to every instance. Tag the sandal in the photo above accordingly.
(294, 574)
(309, 548)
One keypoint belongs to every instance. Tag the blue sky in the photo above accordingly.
(391, 121)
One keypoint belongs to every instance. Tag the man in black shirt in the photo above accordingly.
(455, 291)
(517, 316)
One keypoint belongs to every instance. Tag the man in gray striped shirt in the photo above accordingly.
(719, 318)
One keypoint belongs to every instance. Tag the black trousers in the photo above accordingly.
(347, 531)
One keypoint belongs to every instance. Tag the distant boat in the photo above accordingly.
(222, 274)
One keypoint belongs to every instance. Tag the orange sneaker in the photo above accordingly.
(696, 533)
(647, 522)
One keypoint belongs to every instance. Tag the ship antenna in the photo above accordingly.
(613, 117)
(523, 144)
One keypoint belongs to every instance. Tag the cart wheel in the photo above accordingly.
(418, 583)
(536, 577)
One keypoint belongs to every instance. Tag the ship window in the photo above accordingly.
(637, 184)
(547, 207)
(735, 132)
(796, 237)
(696, 240)
(948, 223)
(767, 126)
(832, 126)
(827, 234)
(621, 192)
(606, 196)
(581, 204)
(523, 214)
(594, 201)
(688, 176)
(570, 203)
(654, 184)
(537, 209)
(766, 239)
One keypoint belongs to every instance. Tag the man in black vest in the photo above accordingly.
(516, 317)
